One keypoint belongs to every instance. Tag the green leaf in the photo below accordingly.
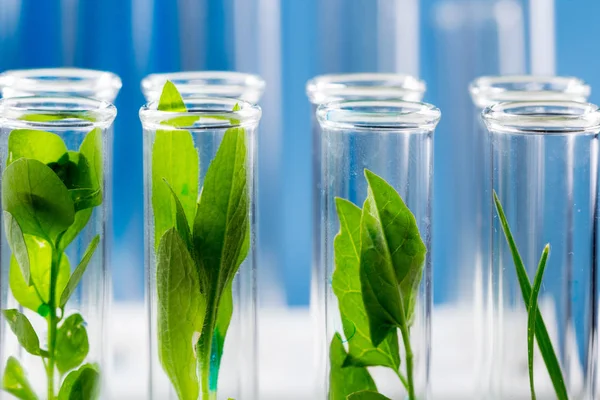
(367, 395)
(45, 147)
(72, 344)
(37, 199)
(26, 295)
(181, 310)
(15, 381)
(81, 219)
(37, 296)
(347, 288)
(220, 230)
(392, 257)
(541, 333)
(78, 273)
(91, 149)
(170, 99)
(533, 311)
(343, 381)
(82, 384)
(76, 172)
(174, 160)
(56, 117)
(23, 330)
(181, 222)
(16, 241)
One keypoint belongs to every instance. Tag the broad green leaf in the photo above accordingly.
(91, 149)
(76, 172)
(392, 257)
(347, 288)
(81, 219)
(81, 384)
(541, 333)
(72, 344)
(174, 160)
(533, 311)
(16, 241)
(45, 147)
(367, 395)
(37, 296)
(26, 295)
(37, 199)
(78, 273)
(40, 255)
(343, 381)
(170, 99)
(181, 223)
(15, 381)
(181, 309)
(23, 330)
(220, 230)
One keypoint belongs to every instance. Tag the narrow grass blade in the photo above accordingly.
(541, 333)
(533, 312)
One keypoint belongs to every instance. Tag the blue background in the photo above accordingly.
(288, 42)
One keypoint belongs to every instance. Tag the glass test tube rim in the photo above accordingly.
(212, 113)
(83, 82)
(228, 84)
(545, 117)
(395, 116)
(488, 90)
(81, 112)
(368, 85)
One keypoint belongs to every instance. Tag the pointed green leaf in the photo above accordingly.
(181, 223)
(45, 147)
(170, 99)
(367, 395)
(72, 344)
(541, 333)
(181, 309)
(78, 273)
(343, 381)
(533, 311)
(16, 241)
(23, 330)
(392, 257)
(174, 160)
(82, 384)
(220, 230)
(37, 199)
(15, 381)
(347, 288)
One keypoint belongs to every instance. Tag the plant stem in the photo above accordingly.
(205, 346)
(409, 361)
(52, 321)
(402, 379)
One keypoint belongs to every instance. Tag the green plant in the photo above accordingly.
(379, 257)
(48, 195)
(201, 241)
(535, 323)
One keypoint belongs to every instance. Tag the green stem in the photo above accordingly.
(402, 379)
(409, 362)
(52, 321)
(204, 347)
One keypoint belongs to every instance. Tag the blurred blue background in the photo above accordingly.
(445, 42)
